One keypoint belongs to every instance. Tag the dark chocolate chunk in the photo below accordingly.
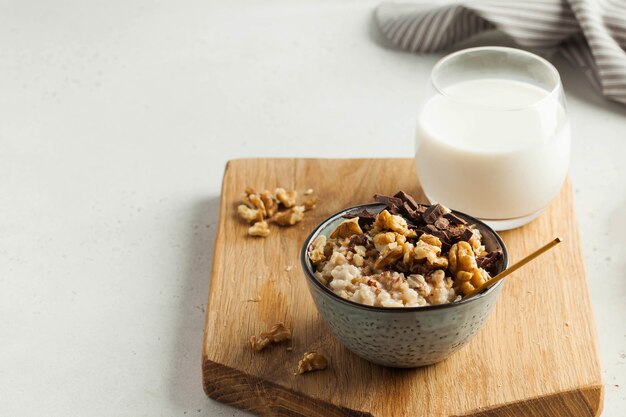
(466, 235)
(358, 240)
(432, 230)
(402, 267)
(363, 214)
(454, 219)
(456, 230)
(433, 213)
(488, 261)
(393, 204)
(407, 199)
(442, 223)
(410, 211)
(366, 218)
(442, 235)
(412, 216)
(420, 268)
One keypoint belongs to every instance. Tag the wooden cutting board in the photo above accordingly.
(536, 356)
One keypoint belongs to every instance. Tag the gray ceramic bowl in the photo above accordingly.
(404, 337)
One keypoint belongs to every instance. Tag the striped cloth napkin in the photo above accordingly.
(591, 34)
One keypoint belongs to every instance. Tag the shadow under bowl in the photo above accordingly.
(402, 337)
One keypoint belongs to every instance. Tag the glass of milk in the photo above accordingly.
(493, 137)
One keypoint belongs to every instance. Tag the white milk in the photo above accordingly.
(477, 152)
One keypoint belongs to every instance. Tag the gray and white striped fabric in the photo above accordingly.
(591, 34)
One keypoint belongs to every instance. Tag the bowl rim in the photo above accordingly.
(308, 269)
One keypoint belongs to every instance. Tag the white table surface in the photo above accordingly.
(116, 120)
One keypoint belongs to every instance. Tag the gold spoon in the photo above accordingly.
(517, 265)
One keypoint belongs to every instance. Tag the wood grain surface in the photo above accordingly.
(536, 356)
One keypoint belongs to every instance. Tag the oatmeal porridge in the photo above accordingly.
(406, 255)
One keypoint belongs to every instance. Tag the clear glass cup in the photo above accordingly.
(493, 137)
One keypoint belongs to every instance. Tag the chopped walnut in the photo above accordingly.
(278, 333)
(431, 240)
(480, 277)
(316, 250)
(269, 203)
(248, 214)
(286, 198)
(477, 246)
(440, 262)
(465, 287)
(256, 202)
(260, 229)
(382, 241)
(462, 260)
(408, 254)
(386, 220)
(310, 203)
(389, 257)
(311, 361)
(281, 208)
(428, 247)
(289, 217)
(347, 228)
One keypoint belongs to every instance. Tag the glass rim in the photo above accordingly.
(551, 93)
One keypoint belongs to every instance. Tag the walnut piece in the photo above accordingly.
(316, 250)
(311, 361)
(382, 241)
(385, 220)
(389, 257)
(475, 242)
(280, 207)
(428, 247)
(310, 203)
(431, 240)
(461, 258)
(260, 229)
(440, 262)
(347, 228)
(462, 261)
(278, 333)
(289, 217)
(269, 203)
(248, 214)
(286, 198)
(256, 202)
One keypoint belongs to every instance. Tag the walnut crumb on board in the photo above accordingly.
(289, 217)
(259, 229)
(286, 198)
(278, 333)
(281, 207)
(311, 361)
